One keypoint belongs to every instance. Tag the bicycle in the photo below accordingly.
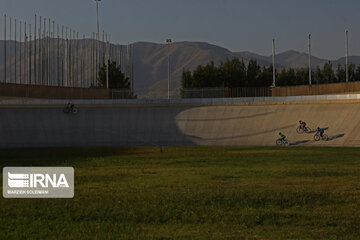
(301, 130)
(282, 142)
(317, 137)
(68, 110)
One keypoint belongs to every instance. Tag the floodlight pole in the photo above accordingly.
(107, 61)
(5, 48)
(347, 54)
(97, 37)
(273, 60)
(309, 59)
(169, 41)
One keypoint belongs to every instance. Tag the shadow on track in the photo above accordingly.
(245, 135)
(225, 119)
(336, 137)
(299, 142)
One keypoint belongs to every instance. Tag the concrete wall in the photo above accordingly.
(31, 91)
(320, 89)
(38, 123)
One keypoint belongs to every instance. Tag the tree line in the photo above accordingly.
(235, 73)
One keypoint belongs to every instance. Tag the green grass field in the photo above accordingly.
(192, 193)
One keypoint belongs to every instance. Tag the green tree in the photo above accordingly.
(328, 75)
(357, 74)
(302, 76)
(186, 79)
(352, 72)
(318, 76)
(266, 77)
(116, 78)
(252, 73)
(207, 76)
(340, 74)
(286, 77)
(232, 73)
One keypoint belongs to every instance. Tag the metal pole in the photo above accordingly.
(92, 59)
(35, 76)
(10, 51)
(273, 60)
(5, 49)
(347, 54)
(44, 55)
(30, 45)
(107, 62)
(309, 59)
(70, 62)
(53, 55)
(62, 55)
(65, 65)
(132, 69)
(42, 63)
(15, 53)
(94, 62)
(57, 57)
(98, 38)
(77, 60)
(74, 59)
(82, 62)
(20, 60)
(168, 41)
(48, 53)
(25, 57)
(40, 52)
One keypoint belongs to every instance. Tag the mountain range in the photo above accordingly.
(150, 61)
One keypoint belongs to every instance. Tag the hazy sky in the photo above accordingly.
(239, 25)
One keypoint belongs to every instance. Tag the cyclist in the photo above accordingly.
(282, 137)
(70, 106)
(302, 125)
(320, 131)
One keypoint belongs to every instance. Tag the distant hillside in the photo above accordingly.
(150, 62)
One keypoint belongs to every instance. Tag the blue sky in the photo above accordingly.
(239, 25)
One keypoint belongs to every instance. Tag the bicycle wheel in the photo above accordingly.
(325, 137)
(66, 110)
(299, 130)
(75, 111)
(279, 142)
(317, 137)
(307, 130)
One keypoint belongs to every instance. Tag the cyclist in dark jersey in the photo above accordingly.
(321, 131)
(302, 124)
(70, 106)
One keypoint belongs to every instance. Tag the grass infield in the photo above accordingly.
(192, 193)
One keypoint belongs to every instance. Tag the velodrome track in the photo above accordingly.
(249, 122)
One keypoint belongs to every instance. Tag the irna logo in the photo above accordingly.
(36, 180)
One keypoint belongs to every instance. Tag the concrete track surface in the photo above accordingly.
(258, 124)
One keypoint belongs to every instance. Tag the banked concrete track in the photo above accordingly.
(193, 122)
